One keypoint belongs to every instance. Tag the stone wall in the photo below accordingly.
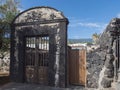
(4, 62)
(101, 61)
(95, 63)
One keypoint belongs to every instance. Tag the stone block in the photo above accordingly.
(110, 57)
(109, 64)
(110, 50)
(106, 83)
(109, 73)
(92, 83)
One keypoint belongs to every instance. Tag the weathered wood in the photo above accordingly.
(77, 67)
(36, 60)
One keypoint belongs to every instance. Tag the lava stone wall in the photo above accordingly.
(95, 63)
(101, 62)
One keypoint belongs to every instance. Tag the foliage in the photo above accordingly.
(89, 43)
(5, 44)
(8, 11)
(95, 38)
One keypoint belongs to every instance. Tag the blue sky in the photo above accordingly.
(85, 16)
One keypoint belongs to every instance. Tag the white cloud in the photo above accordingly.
(118, 15)
(86, 24)
(89, 25)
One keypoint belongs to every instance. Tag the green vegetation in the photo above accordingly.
(95, 38)
(89, 43)
(8, 11)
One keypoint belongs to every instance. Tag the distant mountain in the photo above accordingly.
(88, 40)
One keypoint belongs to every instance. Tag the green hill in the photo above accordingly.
(89, 40)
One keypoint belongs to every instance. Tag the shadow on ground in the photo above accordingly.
(21, 86)
(4, 80)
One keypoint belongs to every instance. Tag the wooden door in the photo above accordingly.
(82, 67)
(36, 60)
(77, 67)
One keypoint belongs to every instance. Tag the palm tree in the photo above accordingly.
(95, 38)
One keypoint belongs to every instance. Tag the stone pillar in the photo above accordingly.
(118, 76)
(109, 69)
(118, 58)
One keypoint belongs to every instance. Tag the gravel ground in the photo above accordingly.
(20, 86)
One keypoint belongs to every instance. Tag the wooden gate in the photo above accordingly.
(36, 59)
(77, 67)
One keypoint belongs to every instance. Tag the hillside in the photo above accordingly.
(88, 40)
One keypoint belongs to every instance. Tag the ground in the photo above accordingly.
(21, 86)
(5, 84)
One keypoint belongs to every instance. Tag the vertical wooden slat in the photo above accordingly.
(77, 67)
(30, 51)
(37, 58)
(43, 53)
(83, 67)
(40, 57)
(26, 50)
(46, 43)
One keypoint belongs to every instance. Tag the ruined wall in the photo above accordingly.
(4, 62)
(95, 63)
(101, 61)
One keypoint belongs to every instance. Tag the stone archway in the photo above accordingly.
(37, 22)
